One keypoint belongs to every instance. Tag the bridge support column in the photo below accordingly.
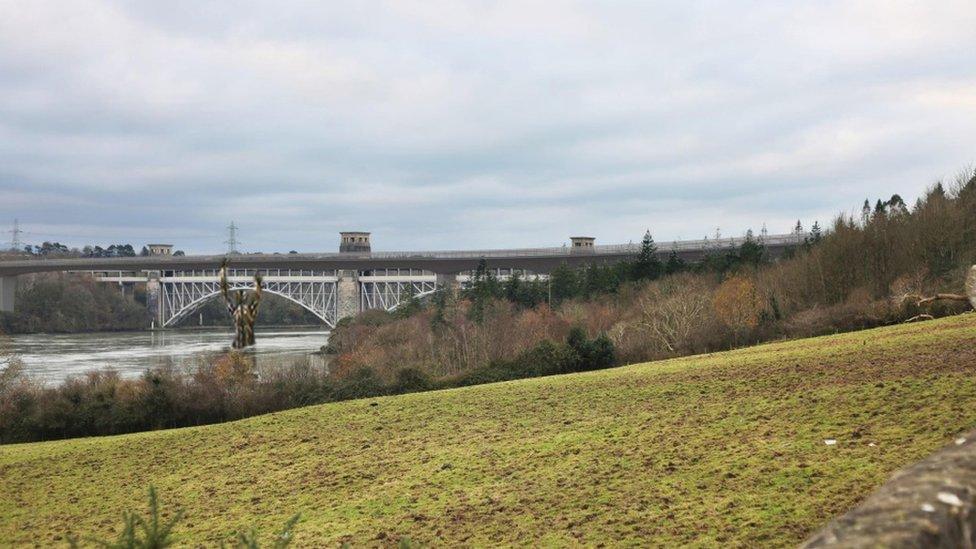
(154, 299)
(448, 282)
(348, 300)
(8, 291)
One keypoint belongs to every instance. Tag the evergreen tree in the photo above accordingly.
(896, 205)
(675, 264)
(648, 265)
(751, 252)
(484, 287)
(563, 283)
(880, 209)
(816, 233)
(513, 287)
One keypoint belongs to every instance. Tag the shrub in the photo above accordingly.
(411, 380)
(153, 533)
(360, 384)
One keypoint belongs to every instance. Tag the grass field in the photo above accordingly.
(717, 449)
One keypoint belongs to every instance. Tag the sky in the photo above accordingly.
(470, 125)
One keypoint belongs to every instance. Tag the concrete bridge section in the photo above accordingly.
(336, 285)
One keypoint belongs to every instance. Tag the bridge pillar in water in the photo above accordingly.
(8, 291)
(154, 299)
(348, 300)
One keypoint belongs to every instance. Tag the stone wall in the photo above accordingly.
(930, 504)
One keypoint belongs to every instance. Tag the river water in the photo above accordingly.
(51, 358)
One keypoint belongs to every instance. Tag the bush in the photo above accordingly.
(154, 533)
(361, 383)
(411, 380)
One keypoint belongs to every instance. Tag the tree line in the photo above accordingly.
(57, 249)
(859, 272)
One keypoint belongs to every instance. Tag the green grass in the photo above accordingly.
(718, 449)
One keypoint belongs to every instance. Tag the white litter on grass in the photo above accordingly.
(960, 441)
(830, 441)
(928, 507)
(871, 444)
(949, 499)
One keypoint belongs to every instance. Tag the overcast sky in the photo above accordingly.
(446, 125)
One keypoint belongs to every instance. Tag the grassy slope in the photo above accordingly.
(719, 448)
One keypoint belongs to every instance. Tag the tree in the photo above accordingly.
(673, 312)
(484, 287)
(144, 251)
(880, 209)
(738, 305)
(751, 252)
(178, 253)
(816, 233)
(563, 283)
(896, 206)
(10, 365)
(675, 264)
(648, 265)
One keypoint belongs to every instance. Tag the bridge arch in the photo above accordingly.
(421, 296)
(176, 309)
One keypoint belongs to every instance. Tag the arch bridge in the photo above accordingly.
(328, 294)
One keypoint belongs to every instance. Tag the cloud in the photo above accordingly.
(471, 124)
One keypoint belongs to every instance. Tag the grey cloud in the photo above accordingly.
(461, 124)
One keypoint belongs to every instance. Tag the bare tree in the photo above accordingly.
(10, 365)
(921, 301)
(243, 308)
(673, 312)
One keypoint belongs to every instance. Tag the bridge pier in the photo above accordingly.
(448, 282)
(154, 300)
(8, 291)
(347, 294)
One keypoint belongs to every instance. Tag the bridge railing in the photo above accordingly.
(605, 249)
(174, 263)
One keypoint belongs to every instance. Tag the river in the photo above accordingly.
(51, 358)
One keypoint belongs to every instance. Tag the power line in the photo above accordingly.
(15, 233)
(232, 241)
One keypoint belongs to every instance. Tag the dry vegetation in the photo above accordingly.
(857, 275)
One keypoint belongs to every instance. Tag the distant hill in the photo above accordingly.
(727, 448)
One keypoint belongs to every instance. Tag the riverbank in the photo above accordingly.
(758, 446)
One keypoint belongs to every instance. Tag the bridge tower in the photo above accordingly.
(582, 244)
(160, 249)
(354, 241)
(348, 288)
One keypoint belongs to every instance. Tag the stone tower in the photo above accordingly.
(354, 241)
(581, 244)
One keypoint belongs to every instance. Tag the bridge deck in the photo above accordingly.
(440, 262)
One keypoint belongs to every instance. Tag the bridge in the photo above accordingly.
(336, 285)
